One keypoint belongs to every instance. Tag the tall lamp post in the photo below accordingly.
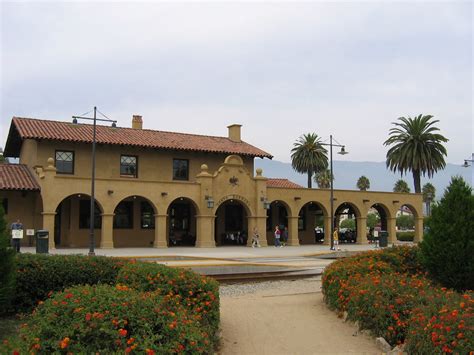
(92, 215)
(342, 152)
(467, 161)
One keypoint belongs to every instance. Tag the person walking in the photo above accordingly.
(277, 237)
(285, 236)
(17, 234)
(336, 239)
(255, 238)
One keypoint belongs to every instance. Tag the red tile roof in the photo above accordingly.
(285, 183)
(17, 177)
(66, 131)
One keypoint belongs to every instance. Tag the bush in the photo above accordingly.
(386, 293)
(107, 319)
(198, 293)
(406, 236)
(405, 221)
(448, 247)
(7, 266)
(40, 275)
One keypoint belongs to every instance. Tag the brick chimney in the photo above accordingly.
(137, 122)
(234, 132)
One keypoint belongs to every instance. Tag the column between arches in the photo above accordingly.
(107, 232)
(160, 231)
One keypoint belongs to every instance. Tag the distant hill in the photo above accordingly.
(347, 173)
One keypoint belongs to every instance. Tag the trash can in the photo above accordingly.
(383, 239)
(42, 242)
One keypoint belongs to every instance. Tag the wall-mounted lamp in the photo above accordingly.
(110, 192)
(396, 201)
(297, 198)
(365, 201)
(164, 194)
(210, 202)
(266, 204)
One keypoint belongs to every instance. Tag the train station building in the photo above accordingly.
(161, 189)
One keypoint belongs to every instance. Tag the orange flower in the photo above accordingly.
(122, 332)
(462, 305)
(64, 343)
(128, 350)
(149, 352)
(460, 335)
(88, 316)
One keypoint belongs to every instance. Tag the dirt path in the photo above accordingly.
(285, 317)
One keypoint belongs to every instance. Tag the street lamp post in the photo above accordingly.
(92, 208)
(342, 152)
(467, 161)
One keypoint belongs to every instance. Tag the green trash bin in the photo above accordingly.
(42, 242)
(383, 239)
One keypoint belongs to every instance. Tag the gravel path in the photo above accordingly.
(285, 317)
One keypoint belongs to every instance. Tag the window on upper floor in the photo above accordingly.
(64, 162)
(129, 165)
(123, 217)
(180, 169)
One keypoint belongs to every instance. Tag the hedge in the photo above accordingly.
(198, 293)
(106, 319)
(386, 292)
(406, 236)
(39, 275)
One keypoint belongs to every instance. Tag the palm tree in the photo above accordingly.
(363, 184)
(416, 147)
(401, 186)
(323, 179)
(309, 156)
(428, 191)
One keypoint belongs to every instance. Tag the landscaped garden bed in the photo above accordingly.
(389, 293)
(103, 305)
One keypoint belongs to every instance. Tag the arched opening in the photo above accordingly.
(182, 222)
(311, 223)
(277, 215)
(345, 218)
(72, 222)
(377, 221)
(134, 223)
(231, 224)
(406, 223)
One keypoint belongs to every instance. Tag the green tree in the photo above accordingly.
(372, 220)
(308, 156)
(7, 265)
(429, 192)
(363, 184)
(323, 179)
(448, 246)
(348, 223)
(405, 221)
(417, 147)
(401, 186)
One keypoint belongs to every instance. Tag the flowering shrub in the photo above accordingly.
(39, 275)
(444, 324)
(197, 293)
(387, 294)
(107, 319)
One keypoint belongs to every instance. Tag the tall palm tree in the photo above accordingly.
(428, 191)
(416, 147)
(309, 156)
(401, 186)
(323, 179)
(363, 184)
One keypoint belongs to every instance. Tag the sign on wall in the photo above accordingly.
(17, 234)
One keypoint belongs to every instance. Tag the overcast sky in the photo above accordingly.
(279, 69)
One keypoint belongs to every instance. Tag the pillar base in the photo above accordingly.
(106, 245)
(205, 244)
(160, 244)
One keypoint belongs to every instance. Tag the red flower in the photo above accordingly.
(149, 352)
(88, 316)
(122, 332)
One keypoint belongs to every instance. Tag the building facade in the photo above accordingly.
(161, 189)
